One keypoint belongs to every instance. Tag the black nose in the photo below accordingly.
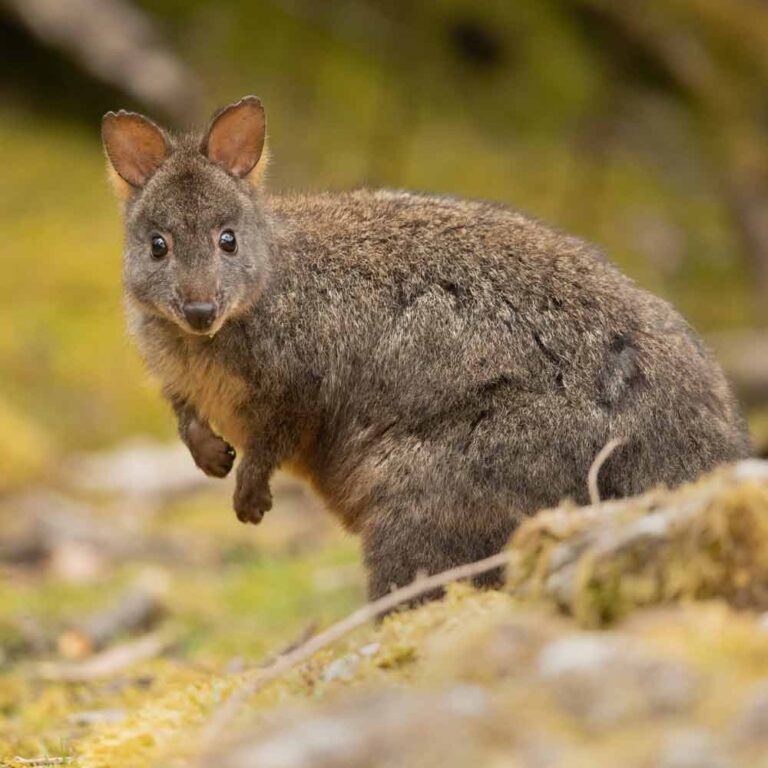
(200, 314)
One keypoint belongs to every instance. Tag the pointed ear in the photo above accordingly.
(135, 148)
(235, 138)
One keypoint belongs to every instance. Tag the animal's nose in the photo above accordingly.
(200, 314)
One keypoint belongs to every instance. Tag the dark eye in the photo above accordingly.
(159, 247)
(227, 241)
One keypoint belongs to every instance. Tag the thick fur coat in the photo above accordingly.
(436, 368)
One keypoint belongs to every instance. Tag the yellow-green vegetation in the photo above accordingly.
(677, 581)
(698, 667)
(234, 597)
(26, 447)
(68, 376)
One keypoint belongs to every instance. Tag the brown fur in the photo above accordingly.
(436, 368)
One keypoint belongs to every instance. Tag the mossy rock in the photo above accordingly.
(706, 539)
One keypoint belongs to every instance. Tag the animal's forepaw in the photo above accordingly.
(214, 456)
(252, 500)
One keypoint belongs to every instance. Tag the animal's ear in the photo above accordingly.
(135, 148)
(235, 138)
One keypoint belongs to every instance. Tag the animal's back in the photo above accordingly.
(436, 367)
(485, 359)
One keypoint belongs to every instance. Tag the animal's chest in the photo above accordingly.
(218, 395)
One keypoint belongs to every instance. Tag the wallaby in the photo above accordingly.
(436, 368)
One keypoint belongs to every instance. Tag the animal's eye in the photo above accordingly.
(159, 247)
(227, 241)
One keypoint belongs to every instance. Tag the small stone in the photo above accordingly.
(371, 649)
(586, 653)
(342, 669)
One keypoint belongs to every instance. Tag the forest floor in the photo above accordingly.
(169, 562)
(134, 610)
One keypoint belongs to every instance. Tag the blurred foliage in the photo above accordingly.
(253, 591)
(637, 125)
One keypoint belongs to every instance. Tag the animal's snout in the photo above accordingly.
(200, 314)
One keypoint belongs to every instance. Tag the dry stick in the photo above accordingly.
(110, 662)
(137, 610)
(370, 611)
(336, 631)
(597, 465)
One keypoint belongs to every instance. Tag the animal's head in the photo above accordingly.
(196, 238)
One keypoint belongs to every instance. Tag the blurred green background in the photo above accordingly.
(641, 126)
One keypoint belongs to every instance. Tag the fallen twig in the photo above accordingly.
(597, 465)
(109, 662)
(335, 632)
(136, 611)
